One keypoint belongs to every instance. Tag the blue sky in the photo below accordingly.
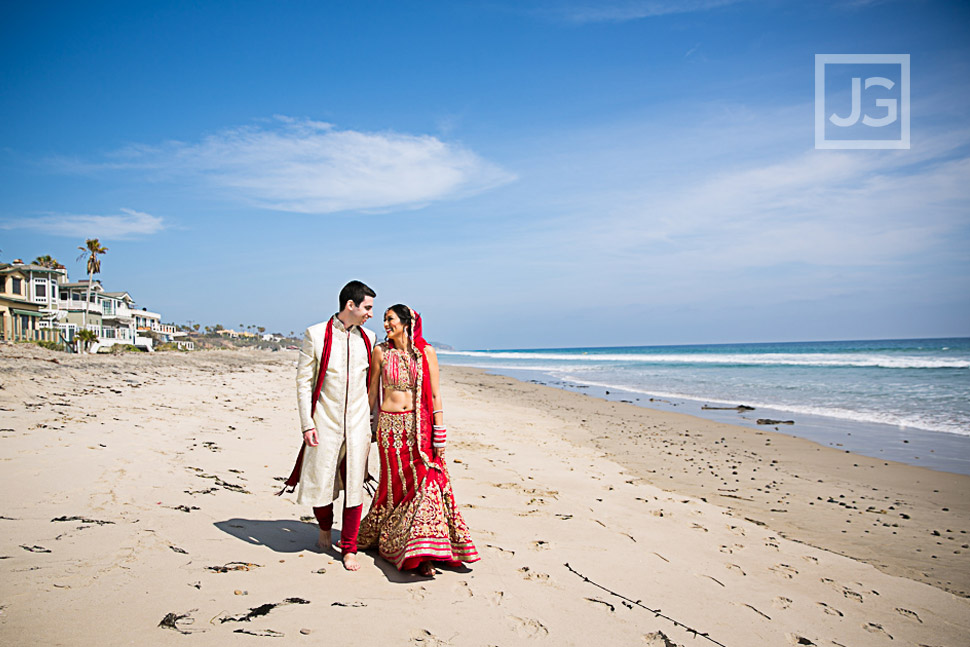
(525, 174)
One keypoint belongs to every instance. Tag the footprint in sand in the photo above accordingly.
(425, 638)
(844, 590)
(496, 598)
(906, 613)
(417, 594)
(735, 568)
(874, 628)
(529, 627)
(832, 611)
(463, 589)
(784, 570)
(795, 639)
(602, 604)
(541, 544)
(529, 574)
(781, 602)
(658, 639)
(504, 552)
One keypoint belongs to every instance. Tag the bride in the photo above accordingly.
(413, 519)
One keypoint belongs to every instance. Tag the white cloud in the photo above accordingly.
(622, 11)
(307, 166)
(741, 212)
(128, 224)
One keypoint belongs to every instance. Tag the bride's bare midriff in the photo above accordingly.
(397, 401)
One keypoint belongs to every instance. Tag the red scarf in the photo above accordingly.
(291, 482)
(424, 407)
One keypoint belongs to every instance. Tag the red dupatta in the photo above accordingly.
(424, 398)
(424, 405)
(294, 478)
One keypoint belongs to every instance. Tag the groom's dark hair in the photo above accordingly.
(355, 291)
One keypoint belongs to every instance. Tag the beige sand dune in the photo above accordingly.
(138, 492)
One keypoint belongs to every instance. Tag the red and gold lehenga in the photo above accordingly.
(414, 517)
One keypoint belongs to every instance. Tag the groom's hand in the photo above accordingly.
(310, 437)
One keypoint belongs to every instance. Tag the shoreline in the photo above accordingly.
(885, 512)
(145, 485)
(935, 450)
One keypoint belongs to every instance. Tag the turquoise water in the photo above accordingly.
(891, 388)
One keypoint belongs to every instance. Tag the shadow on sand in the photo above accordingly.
(282, 535)
(405, 577)
(291, 536)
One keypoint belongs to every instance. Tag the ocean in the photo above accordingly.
(903, 399)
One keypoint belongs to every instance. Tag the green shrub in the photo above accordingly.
(122, 348)
(50, 345)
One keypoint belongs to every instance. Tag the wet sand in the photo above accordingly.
(138, 506)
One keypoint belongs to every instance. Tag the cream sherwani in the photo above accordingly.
(341, 417)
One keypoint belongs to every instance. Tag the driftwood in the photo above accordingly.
(740, 407)
(630, 603)
(769, 421)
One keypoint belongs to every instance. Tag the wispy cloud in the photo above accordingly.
(613, 11)
(128, 224)
(741, 209)
(305, 166)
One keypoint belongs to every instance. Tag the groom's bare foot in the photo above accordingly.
(350, 562)
(324, 543)
(426, 569)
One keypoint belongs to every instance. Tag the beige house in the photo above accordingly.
(40, 303)
(29, 301)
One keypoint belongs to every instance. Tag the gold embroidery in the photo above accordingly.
(424, 524)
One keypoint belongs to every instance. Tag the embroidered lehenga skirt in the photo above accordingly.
(413, 517)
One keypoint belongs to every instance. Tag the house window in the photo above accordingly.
(15, 286)
(40, 290)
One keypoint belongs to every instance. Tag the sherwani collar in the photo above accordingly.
(339, 325)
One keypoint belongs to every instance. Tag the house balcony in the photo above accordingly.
(122, 317)
(122, 334)
(79, 306)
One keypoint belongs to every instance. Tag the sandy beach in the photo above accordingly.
(138, 508)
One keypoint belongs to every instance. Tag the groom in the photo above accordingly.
(331, 387)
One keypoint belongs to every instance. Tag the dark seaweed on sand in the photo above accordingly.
(262, 610)
(35, 549)
(171, 620)
(233, 566)
(265, 633)
(82, 520)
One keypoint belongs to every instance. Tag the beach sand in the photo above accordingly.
(138, 508)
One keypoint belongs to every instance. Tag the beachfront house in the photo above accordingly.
(236, 334)
(112, 315)
(29, 301)
(40, 303)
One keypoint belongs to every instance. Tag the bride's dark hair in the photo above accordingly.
(404, 315)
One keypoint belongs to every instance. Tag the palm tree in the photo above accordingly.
(47, 261)
(91, 249)
(85, 338)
